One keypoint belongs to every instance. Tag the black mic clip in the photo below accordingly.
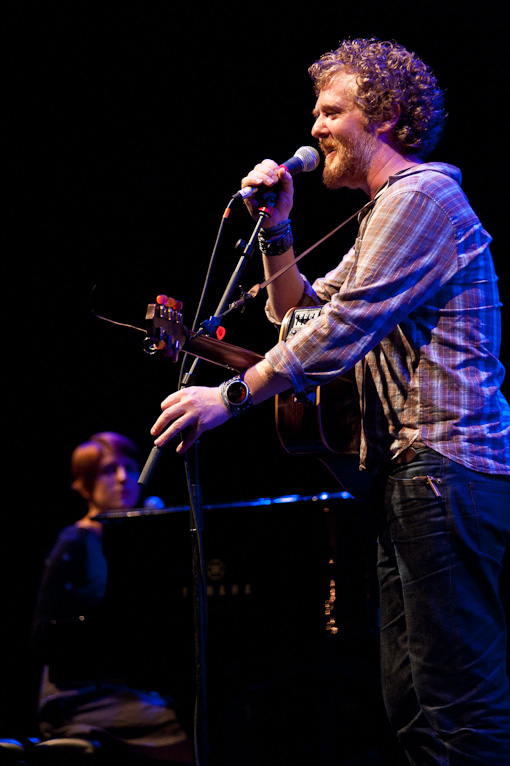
(266, 199)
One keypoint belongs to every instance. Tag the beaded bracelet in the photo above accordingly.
(272, 231)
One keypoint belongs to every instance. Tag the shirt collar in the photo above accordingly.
(438, 167)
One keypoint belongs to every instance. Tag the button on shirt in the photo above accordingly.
(414, 307)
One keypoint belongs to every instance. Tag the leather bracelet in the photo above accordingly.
(277, 245)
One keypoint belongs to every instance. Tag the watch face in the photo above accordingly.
(237, 392)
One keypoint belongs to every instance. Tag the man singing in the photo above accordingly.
(413, 307)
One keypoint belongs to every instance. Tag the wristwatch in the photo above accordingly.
(235, 395)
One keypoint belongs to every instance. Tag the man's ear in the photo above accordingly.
(388, 125)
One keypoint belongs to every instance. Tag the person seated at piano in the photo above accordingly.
(84, 690)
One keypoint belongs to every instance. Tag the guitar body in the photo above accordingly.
(327, 423)
(328, 420)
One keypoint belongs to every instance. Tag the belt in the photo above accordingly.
(409, 454)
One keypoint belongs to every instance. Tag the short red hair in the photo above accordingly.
(87, 457)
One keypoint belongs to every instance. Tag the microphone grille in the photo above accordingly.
(309, 157)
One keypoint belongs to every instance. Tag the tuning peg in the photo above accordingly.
(172, 303)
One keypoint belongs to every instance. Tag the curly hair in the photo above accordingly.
(389, 74)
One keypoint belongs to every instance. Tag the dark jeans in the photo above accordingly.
(443, 628)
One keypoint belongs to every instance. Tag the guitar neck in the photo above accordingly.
(224, 354)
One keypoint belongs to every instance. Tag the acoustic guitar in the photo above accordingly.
(326, 423)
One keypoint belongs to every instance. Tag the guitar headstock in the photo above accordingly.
(165, 329)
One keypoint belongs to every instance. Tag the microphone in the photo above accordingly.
(150, 465)
(304, 160)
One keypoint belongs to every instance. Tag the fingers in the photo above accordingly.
(189, 413)
(189, 437)
(173, 420)
(285, 179)
(265, 173)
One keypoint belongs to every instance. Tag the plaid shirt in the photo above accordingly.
(414, 306)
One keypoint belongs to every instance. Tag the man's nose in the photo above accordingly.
(319, 127)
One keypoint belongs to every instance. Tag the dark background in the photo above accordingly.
(131, 126)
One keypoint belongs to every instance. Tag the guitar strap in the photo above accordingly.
(262, 285)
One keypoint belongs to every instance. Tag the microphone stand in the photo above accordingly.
(264, 212)
(199, 590)
(196, 508)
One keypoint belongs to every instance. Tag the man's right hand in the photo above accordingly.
(266, 174)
